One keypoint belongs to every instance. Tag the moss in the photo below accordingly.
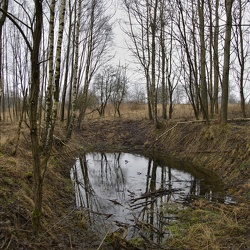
(205, 224)
(137, 241)
(28, 175)
(8, 180)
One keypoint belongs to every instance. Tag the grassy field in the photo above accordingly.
(140, 111)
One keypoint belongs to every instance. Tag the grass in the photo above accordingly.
(204, 225)
(208, 225)
(139, 111)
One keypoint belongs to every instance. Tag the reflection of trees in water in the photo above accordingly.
(159, 192)
(85, 194)
(107, 174)
(108, 177)
(151, 215)
(112, 176)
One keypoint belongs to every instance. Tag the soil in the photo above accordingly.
(222, 149)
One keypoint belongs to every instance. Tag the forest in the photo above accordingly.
(60, 65)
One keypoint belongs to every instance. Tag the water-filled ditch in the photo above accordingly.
(137, 194)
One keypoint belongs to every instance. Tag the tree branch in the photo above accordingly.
(18, 27)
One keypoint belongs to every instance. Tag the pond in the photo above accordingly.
(136, 193)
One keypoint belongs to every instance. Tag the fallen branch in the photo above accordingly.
(154, 194)
(97, 213)
(142, 204)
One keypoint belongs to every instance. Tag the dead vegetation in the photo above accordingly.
(205, 225)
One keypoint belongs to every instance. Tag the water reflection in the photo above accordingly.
(132, 192)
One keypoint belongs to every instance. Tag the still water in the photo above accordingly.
(122, 190)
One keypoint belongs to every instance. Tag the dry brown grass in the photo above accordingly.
(59, 227)
(208, 225)
(209, 228)
(139, 111)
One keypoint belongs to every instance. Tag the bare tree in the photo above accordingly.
(203, 82)
(33, 103)
(241, 50)
(119, 88)
(103, 85)
(226, 65)
(72, 115)
(98, 43)
(67, 61)
(4, 6)
(189, 45)
(143, 30)
(40, 148)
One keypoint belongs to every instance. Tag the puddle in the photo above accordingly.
(129, 191)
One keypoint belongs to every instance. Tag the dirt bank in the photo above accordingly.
(225, 150)
(222, 149)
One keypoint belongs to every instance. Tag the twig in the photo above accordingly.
(97, 213)
(155, 194)
(104, 238)
(142, 204)
(164, 133)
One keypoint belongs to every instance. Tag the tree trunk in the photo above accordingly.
(203, 84)
(64, 92)
(216, 59)
(48, 96)
(153, 25)
(241, 60)
(163, 64)
(34, 96)
(75, 72)
(225, 79)
(4, 5)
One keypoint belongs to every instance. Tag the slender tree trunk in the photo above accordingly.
(64, 92)
(153, 65)
(163, 64)
(49, 100)
(33, 103)
(226, 66)
(210, 83)
(88, 64)
(75, 73)
(58, 64)
(204, 102)
(216, 59)
(4, 5)
(242, 60)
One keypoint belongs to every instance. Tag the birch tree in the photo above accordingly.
(72, 115)
(40, 148)
(53, 89)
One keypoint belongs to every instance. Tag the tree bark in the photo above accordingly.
(204, 101)
(34, 96)
(75, 71)
(4, 5)
(226, 65)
